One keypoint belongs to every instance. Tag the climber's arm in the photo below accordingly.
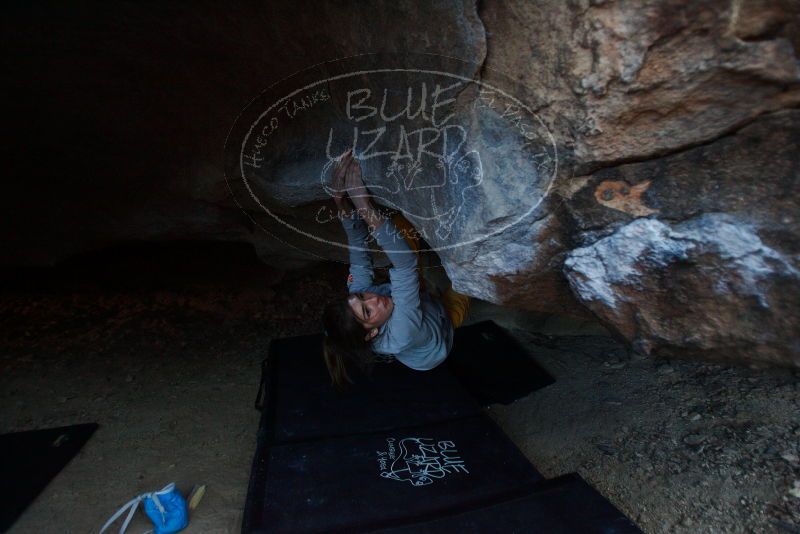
(361, 269)
(407, 314)
(360, 197)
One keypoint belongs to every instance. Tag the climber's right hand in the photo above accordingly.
(338, 187)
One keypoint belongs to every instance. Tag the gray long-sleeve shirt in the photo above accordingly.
(418, 332)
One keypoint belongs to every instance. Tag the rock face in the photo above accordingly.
(712, 267)
(120, 114)
(633, 80)
(705, 285)
(654, 184)
(693, 92)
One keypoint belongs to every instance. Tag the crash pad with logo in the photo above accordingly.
(380, 479)
(399, 449)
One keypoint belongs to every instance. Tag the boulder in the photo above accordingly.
(120, 113)
(632, 160)
(697, 252)
(707, 286)
(622, 81)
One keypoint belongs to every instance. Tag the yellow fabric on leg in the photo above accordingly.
(456, 305)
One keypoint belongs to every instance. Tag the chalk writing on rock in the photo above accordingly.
(432, 143)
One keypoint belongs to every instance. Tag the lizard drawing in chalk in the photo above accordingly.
(455, 172)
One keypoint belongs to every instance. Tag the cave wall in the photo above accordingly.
(119, 113)
(672, 216)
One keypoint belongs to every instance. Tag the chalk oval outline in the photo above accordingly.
(350, 74)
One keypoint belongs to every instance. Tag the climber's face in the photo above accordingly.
(370, 309)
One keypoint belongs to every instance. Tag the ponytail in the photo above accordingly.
(344, 347)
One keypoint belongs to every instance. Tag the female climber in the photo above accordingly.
(395, 319)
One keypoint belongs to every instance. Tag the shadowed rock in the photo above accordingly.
(672, 150)
(708, 286)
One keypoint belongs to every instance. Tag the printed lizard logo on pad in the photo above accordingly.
(419, 461)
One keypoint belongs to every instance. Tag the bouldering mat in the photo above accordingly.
(29, 460)
(566, 504)
(399, 449)
(397, 444)
(301, 404)
(369, 481)
(493, 366)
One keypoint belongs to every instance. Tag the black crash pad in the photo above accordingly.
(29, 460)
(493, 366)
(301, 404)
(415, 442)
(363, 482)
(566, 504)
(404, 449)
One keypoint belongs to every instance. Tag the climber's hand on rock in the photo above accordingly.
(355, 187)
(338, 187)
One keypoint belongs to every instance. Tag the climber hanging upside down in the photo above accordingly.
(395, 319)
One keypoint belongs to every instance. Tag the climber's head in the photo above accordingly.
(350, 323)
(371, 310)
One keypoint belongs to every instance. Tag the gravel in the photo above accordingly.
(170, 375)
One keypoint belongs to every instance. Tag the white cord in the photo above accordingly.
(133, 504)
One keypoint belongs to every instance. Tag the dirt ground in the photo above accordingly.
(170, 374)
